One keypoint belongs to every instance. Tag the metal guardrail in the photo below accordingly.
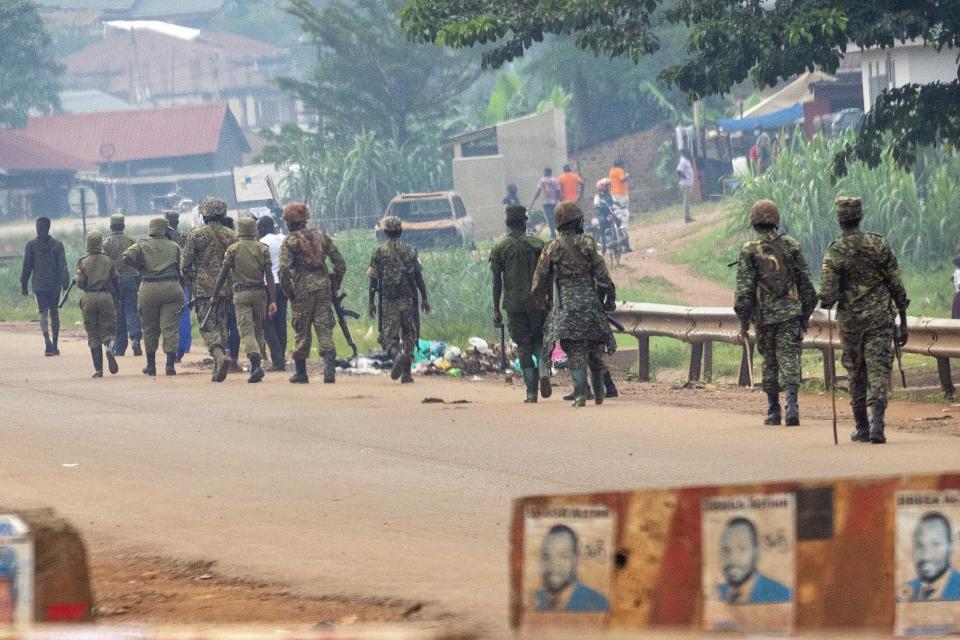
(938, 338)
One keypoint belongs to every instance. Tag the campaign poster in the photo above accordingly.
(567, 563)
(748, 553)
(16, 572)
(927, 556)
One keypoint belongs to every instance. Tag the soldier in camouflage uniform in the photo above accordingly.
(200, 264)
(775, 293)
(574, 262)
(128, 318)
(860, 276)
(310, 289)
(247, 263)
(161, 296)
(395, 272)
(97, 277)
(513, 261)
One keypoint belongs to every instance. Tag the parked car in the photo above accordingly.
(432, 219)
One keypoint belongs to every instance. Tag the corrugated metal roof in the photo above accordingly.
(138, 135)
(83, 5)
(161, 8)
(91, 101)
(20, 153)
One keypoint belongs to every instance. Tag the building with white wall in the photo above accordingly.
(907, 63)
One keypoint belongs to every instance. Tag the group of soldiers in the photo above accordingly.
(775, 294)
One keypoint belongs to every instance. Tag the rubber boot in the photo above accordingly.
(599, 388)
(773, 410)
(793, 411)
(861, 431)
(530, 380)
(399, 366)
(137, 351)
(300, 377)
(609, 386)
(97, 354)
(546, 389)
(55, 342)
(876, 424)
(220, 365)
(329, 369)
(171, 369)
(111, 359)
(151, 368)
(256, 370)
(579, 377)
(406, 377)
(47, 345)
(572, 395)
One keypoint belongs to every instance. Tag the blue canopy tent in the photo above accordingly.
(774, 120)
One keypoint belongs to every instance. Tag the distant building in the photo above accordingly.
(906, 63)
(192, 13)
(34, 178)
(137, 156)
(91, 101)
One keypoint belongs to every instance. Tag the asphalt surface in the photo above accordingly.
(359, 488)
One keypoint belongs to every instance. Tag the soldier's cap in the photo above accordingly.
(213, 208)
(94, 242)
(566, 212)
(516, 213)
(391, 224)
(296, 212)
(157, 228)
(765, 212)
(849, 209)
(117, 220)
(247, 227)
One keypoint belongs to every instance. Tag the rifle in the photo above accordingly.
(897, 350)
(189, 305)
(508, 377)
(66, 294)
(342, 320)
(833, 377)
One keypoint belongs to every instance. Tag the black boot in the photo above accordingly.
(56, 340)
(876, 423)
(861, 432)
(530, 381)
(572, 395)
(171, 369)
(279, 363)
(580, 386)
(773, 410)
(48, 346)
(329, 368)
(793, 410)
(406, 377)
(111, 359)
(399, 365)
(599, 388)
(151, 368)
(611, 388)
(137, 351)
(97, 354)
(546, 389)
(256, 370)
(300, 377)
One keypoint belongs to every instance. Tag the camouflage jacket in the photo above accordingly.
(114, 245)
(574, 263)
(154, 258)
(514, 259)
(861, 276)
(396, 266)
(753, 302)
(203, 257)
(296, 277)
(97, 272)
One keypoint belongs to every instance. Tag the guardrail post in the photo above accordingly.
(946, 377)
(696, 358)
(643, 358)
(745, 358)
(829, 367)
(708, 359)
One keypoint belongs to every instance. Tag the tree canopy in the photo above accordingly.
(29, 75)
(729, 41)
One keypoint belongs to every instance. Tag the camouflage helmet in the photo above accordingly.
(94, 242)
(117, 221)
(247, 227)
(849, 209)
(516, 213)
(213, 208)
(765, 212)
(157, 228)
(295, 212)
(391, 224)
(567, 212)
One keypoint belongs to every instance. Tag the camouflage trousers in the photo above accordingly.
(585, 355)
(526, 329)
(99, 318)
(251, 309)
(868, 359)
(780, 346)
(398, 331)
(214, 333)
(160, 304)
(312, 311)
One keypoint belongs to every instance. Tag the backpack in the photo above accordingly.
(776, 278)
(310, 247)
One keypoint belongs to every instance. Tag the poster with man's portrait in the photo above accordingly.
(748, 551)
(927, 559)
(16, 572)
(567, 562)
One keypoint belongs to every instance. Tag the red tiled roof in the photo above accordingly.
(20, 153)
(137, 135)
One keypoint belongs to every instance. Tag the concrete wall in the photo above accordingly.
(479, 181)
(912, 63)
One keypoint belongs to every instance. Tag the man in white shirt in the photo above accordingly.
(275, 328)
(685, 174)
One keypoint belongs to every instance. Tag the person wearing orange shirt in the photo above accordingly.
(618, 184)
(571, 184)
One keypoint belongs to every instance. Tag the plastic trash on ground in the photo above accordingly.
(481, 345)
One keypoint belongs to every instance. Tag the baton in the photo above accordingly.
(66, 294)
(749, 356)
(897, 350)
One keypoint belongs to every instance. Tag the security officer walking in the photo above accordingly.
(861, 276)
(574, 263)
(774, 292)
(128, 318)
(513, 261)
(161, 296)
(97, 277)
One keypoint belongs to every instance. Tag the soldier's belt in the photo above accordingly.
(237, 288)
(161, 278)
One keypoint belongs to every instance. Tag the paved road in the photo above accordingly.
(359, 488)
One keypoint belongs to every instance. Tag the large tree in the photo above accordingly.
(729, 41)
(29, 73)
